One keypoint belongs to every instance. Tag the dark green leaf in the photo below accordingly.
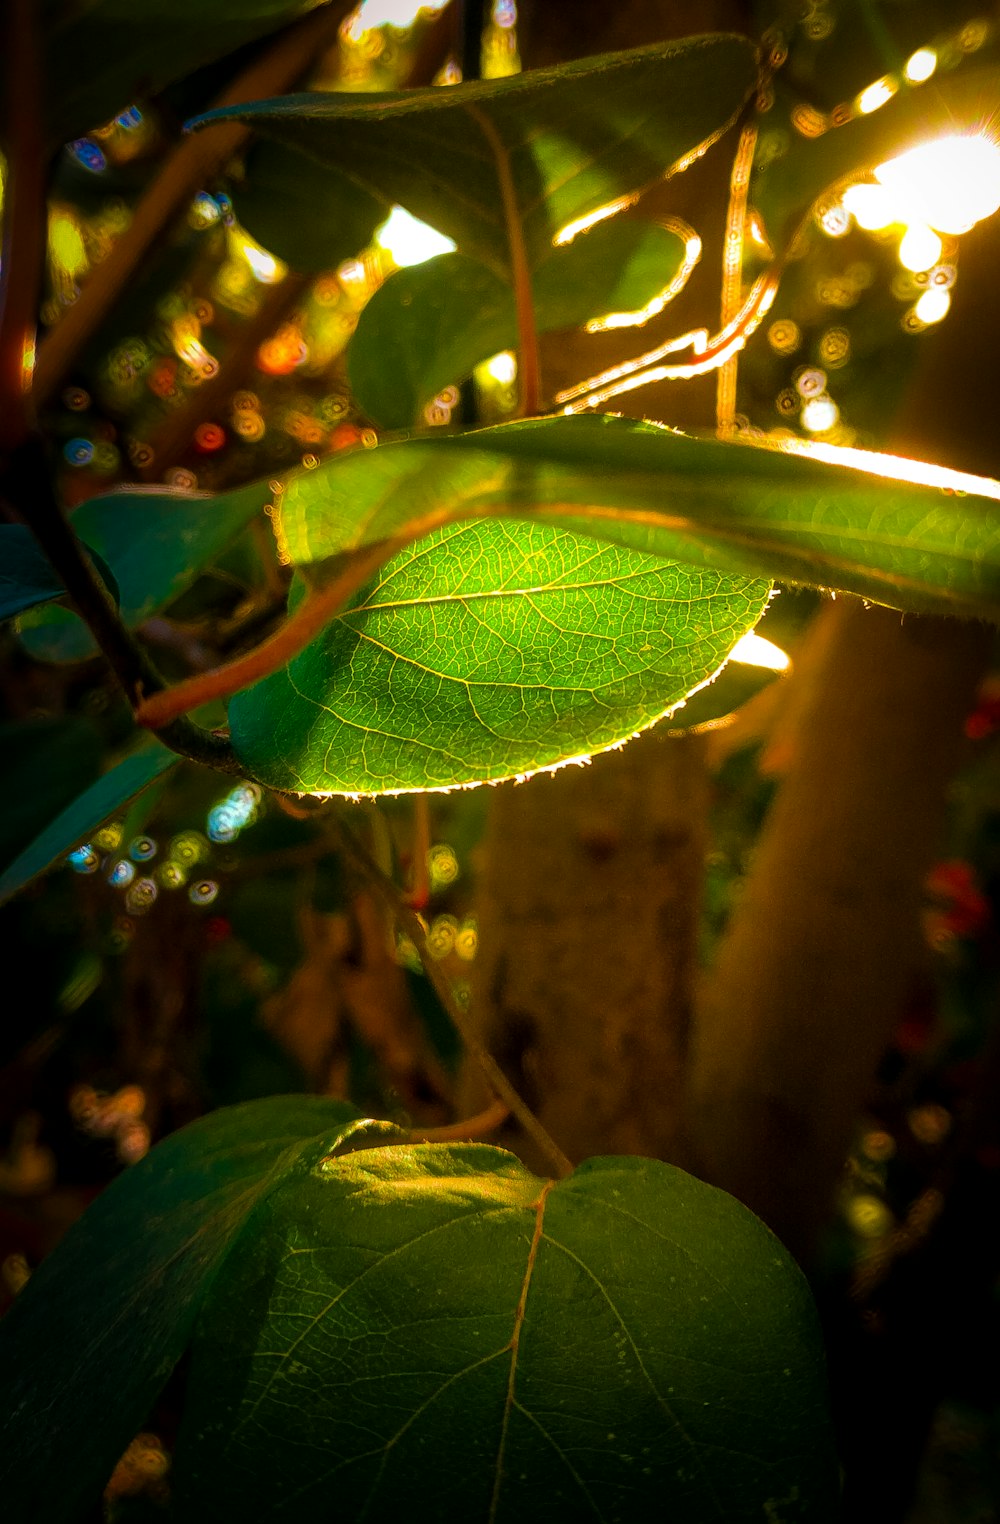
(88, 811)
(45, 763)
(281, 206)
(486, 651)
(101, 55)
(825, 519)
(156, 543)
(433, 1332)
(574, 138)
(91, 1340)
(429, 325)
(26, 576)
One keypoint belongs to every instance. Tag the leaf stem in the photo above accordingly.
(195, 160)
(410, 924)
(24, 221)
(528, 356)
(302, 625)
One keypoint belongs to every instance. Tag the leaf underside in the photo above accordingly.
(575, 138)
(428, 326)
(436, 1332)
(755, 511)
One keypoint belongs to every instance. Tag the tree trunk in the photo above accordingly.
(588, 926)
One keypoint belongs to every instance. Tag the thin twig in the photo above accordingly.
(24, 221)
(195, 161)
(410, 924)
(479, 1126)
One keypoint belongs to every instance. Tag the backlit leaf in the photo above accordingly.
(92, 1338)
(429, 325)
(826, 518)
(485, 651)
(434, 1333)
(573, 138)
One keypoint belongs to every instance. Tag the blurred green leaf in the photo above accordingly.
(102, 55)
(279, 203)
(429, 325)
(402, 1333)
(27, 577)
(88, 810)
(486, 651)
(572, 138)
(827, 522)
(92, 1338)
(156, 541)
(45, 763)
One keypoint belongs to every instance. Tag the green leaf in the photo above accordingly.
(88, 811)
(156, 542)
(27, 577)
(486, 651)
(100, 56)
(429, 325)
(824, 518)
(278, 204)
(573, 138)
(45, 763)
(433, 1332)
(91, 1340)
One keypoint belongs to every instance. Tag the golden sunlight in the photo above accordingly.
(949, 184)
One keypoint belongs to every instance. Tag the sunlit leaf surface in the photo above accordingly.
(436, 1333)
(572, 138)
(92, 1338)
(489, 650)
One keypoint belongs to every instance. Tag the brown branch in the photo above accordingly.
(29, 490)
(410, 924)
(24, 221)
(194, 161)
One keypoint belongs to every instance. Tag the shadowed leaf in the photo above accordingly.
(429, 325)
(156, 543)
(92, 1338)
(403, 1335)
